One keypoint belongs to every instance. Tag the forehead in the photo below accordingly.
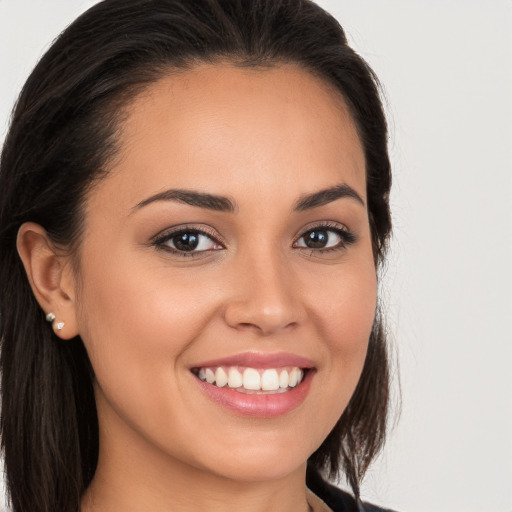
(217, 127)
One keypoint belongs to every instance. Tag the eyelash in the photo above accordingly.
(347, 238)
(160, 241)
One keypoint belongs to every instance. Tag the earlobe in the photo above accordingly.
(48, 274)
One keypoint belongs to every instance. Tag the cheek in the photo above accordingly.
(345, 312)
(346, 307)
(134, 318)
(136, 324)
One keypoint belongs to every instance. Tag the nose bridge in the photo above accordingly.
(264, 296)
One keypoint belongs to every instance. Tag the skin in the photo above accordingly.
(264, 138)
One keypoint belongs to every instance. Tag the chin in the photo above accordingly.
(261, 461)
(261, 469)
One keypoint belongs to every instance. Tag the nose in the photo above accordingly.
(264, 296)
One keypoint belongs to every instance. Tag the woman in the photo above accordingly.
(194, 205)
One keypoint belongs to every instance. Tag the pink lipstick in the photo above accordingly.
(255, 384)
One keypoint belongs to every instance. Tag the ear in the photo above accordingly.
(51, 278)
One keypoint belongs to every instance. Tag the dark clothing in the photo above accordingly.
(336, 499)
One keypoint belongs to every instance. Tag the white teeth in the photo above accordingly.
(293, 377)
(269, 380)
(221, 378)
(252, 379)
(210, 376)
(234, 378)
(283, 379)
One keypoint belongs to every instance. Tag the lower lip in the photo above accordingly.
(261, 406)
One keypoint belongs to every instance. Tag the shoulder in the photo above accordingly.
(338, 500)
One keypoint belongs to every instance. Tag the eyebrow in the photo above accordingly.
(327, 196)
(224, 204)
(200, 199)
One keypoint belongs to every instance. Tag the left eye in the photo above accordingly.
(321, 238)
(189, 241)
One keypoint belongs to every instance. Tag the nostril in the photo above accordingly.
(246, 326)
(264, 328)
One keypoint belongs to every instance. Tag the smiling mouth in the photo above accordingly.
(260, 381)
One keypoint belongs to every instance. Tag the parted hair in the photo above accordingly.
(62, 136)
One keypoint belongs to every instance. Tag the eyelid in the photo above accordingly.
(347, 237)
(201, 228)
(326, 224)
(162, 236)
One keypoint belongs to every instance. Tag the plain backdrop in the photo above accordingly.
(446, 68)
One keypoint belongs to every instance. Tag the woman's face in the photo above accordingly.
(230, 239)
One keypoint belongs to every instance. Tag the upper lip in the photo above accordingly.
(259, 360)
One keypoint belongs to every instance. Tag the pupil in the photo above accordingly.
(316, 239)
(186, 241)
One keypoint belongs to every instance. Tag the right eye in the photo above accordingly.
(188, 242)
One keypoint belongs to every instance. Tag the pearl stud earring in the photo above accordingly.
(50, 317)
